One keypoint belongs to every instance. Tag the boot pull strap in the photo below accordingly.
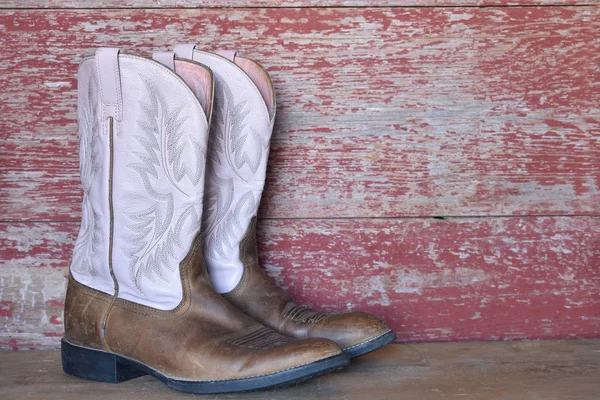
(185, 51)
(228, 54)
(166, 58)
(109, 77)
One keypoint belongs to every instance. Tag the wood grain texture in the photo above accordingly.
(34, 262)
(279, 3)
(431, 280)
(382, 112)
(549, 370)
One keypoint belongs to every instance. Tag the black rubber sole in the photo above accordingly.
(100, 366)
(371, 345)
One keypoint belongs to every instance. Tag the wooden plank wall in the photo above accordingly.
(434, 161)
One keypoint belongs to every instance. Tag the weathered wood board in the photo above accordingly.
(432, 280)
(382, 112)
(386, 117)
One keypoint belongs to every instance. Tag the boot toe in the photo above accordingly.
(314, 349)
(353, 330)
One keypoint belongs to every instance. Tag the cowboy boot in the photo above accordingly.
(238, 150)
(139, 300)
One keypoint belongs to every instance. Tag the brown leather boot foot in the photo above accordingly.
(356, 332)
(206, 345)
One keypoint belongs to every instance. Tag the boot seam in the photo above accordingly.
(111, 231)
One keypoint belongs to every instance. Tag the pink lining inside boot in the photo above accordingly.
(199, 79)
(261, 79)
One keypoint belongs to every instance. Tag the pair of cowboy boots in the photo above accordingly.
(165, 278)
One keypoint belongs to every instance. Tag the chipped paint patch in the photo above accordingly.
(53, 85)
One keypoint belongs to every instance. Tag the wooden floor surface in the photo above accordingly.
(544, 370)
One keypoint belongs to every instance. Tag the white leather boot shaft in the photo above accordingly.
(236, 167)
(143, 137)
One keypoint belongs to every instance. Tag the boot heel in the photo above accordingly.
(95, 365)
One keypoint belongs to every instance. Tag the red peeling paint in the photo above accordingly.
(6, 308)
